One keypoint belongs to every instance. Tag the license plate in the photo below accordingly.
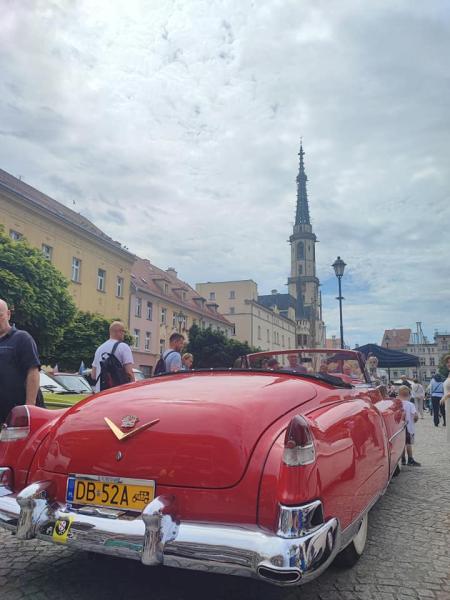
(126, 494)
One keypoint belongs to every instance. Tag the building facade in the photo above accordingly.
(161, 304)
(97, 267)
(258, 325)
(416, 343)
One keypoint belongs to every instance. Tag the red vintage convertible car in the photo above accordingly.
(268, 470)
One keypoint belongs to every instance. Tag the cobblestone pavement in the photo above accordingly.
(407, 555)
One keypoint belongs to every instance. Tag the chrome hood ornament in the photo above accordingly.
(129, 421)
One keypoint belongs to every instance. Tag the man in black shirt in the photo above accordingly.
(19, 365)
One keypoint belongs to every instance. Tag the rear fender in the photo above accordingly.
(19, 454)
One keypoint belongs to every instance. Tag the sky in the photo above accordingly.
(174, 125)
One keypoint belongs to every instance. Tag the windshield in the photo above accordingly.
(341, 364)
(74, 383)
(49, 384)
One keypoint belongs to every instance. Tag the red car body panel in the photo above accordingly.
(208, 427)
(217, 445)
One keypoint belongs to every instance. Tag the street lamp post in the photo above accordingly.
(180, 319)
(339, 267)
(387, 339)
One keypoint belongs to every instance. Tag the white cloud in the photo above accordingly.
(175, 126)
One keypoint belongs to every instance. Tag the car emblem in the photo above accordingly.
(129, 421)
(120, 435)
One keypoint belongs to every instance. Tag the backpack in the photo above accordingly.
(160, 366)
(112, 372)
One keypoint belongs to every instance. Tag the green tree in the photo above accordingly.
(442, 366)
(213, 349)
(80, 340)
(36, 293)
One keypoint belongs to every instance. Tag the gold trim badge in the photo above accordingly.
(120, 435)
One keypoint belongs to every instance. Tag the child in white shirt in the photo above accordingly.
(411, 417)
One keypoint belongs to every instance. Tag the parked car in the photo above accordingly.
(48, 384)
(267, 471)
(73, 383)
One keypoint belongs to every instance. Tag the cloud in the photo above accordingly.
(175, 128)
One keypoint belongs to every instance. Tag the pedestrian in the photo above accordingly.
(406, 382)
(19, 365)
(113, 360)
(172, 356)
(418, 395)
(436, 388)
(188, 360)
(392, 392)
(445, 400)
(411, 417)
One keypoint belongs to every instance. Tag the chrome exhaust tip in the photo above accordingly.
(279, 576)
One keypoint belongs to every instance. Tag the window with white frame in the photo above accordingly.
(212, 295)
(166, 288)
(149, 311)
(76, 269)
(15, 235)
(162, 346)
(119, 287)
(138, 307)
(148, 339)
(47, 251)
(101, 280)
(232, 295)
(163, 316)
(136, 338)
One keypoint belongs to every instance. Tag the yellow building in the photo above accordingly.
(260, 326)
(97, 267)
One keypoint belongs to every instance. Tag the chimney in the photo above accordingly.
(171, 271)
(273, 292)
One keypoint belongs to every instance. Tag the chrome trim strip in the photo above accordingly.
(157, 538)
(397, 432)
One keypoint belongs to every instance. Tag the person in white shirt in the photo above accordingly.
(445, 400)
(122, 352)
(418, 395)
(411, 417)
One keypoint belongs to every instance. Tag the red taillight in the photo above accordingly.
(298, 443)
(17, 425)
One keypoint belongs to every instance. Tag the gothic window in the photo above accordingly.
(300, 251)
(300, 269)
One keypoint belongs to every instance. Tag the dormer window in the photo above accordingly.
(166, 288)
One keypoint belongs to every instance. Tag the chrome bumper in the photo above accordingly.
(157, 538)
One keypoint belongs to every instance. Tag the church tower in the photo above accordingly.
(303, 283)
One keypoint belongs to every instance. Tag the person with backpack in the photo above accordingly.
(170, 361)
(113, 360)
(436, 388)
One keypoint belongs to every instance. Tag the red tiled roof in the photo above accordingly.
(27, 192)
(396, 338)
(144, 277)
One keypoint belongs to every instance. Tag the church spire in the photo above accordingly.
(302, 214)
